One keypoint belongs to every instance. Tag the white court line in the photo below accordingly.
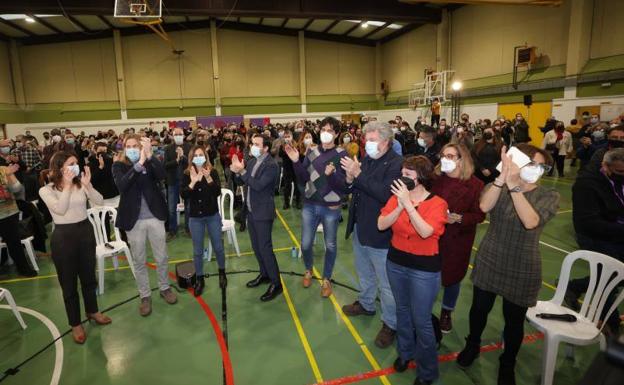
(554, 247)
(58, 361)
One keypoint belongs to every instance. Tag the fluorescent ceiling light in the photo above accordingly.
(376, 23)
(365, 24)
(15, 16)
(395, 26)
(29, 19)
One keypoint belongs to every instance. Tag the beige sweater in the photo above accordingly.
(70, 205)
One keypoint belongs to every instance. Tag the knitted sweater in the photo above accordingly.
(321, 189)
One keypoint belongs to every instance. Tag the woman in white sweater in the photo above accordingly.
(558, 142)
(73, 243)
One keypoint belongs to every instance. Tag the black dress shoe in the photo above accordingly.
(399, 365)
(242, 227)
(259, 280)
(198, 289)
(272, 292)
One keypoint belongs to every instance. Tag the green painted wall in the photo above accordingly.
(596, 89)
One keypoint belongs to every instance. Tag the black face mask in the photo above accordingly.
(409, 183)
(488, 136)
(614, 143)
(617, 178)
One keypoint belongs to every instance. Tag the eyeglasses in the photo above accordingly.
(546, 168)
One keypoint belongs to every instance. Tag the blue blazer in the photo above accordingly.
(132, 184)
(261, 188)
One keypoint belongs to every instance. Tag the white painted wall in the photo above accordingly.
(565, 109)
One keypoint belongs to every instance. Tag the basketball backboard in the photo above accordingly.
(138, 8)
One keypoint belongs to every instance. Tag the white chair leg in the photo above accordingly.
(549, 360)
(13, 306)
(30, 252)
(115, 262)
(100, 263)
(233, 234)
(209, 251)
(129, 259)
(229, 237)
(292, 191)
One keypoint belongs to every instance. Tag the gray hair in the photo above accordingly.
(614, 155)
(383, 128)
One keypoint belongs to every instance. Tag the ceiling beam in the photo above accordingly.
(375, 30)
(399, 32)
(105, 21)
(187, 19)
(78, 24)
(307, 24)
(355, 25)
(382, 10)
(45, 23)
(198, 24)
(332, 25)
(285, 22)
(261, 20)
(16, 27)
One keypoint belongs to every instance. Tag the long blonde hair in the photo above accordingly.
(465, 162)
(136, 137)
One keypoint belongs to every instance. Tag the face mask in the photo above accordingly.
(326, 137)
(70, 140)
(617, 178)
(460, 130)
(447, 165)
(394, 130)
(288, 139)
(598, 135)
(307, 141)
(5, 150)
(593, 120)
(531, 174)
(372, 149)
(488, 136)
(75, 169)
(178, 139)
(409, 182)
(280, 134)
(56, 138)
(497, 128)
(346, 139)
(421, 142)
(255, 151)
(614, 143)
(133, 154)
(199, 160)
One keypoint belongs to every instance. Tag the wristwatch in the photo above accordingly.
(516, 189)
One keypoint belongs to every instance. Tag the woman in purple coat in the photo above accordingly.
(458, 186)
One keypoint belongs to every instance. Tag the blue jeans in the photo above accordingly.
(198, 226)
(415, 292)
(311, 216)
(173, 197)
(370, 264)
(451, 293)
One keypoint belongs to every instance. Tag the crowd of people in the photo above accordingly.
(415, 195)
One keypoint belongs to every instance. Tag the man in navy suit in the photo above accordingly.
(260, 177)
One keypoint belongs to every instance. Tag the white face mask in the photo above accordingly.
(372, 149)
(179, 139)
(346, 139)
(255, 151)
(326, 137)
(307, 141)
(447, 165)
(421, 142)
(75, 169)
(56, 138)
(531, 174)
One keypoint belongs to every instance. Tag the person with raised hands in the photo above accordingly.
(369, 183)
(202, 188)
(417, 219)
(142, 213)
(73, 242)
(325, 187)
(508, 262)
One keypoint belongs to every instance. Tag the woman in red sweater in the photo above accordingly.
(417, 219)
(458, 186)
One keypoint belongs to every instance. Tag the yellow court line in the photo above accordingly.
(171, 261)
(358, 339)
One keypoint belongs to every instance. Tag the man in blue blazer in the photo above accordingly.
(260, 177)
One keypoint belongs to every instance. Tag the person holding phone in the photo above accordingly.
(142, 214)
(508, 262)
(73, 242)
(202, 188)
(417, 218)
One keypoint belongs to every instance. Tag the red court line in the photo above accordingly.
(441, 358)
(227, 363)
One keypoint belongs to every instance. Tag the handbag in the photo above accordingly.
(185, 274)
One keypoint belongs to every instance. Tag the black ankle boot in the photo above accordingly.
(222, 279)
(506, 374)
(198, 289)
(467, 356)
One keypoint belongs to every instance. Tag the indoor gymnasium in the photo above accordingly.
(311, 192)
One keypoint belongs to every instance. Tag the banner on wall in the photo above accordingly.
(219, 121)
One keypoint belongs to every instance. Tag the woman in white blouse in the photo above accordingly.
(73, 243)
(558, 142)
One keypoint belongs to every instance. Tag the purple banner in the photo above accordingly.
(219, 121)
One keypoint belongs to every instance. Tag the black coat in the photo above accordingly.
(596, 208)
(174, 168)
(102, 179)
(132, 184)
(202, 199)
(261, 188)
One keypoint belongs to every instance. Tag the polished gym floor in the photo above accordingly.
(297, 339)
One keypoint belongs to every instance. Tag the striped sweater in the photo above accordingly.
(321, 189)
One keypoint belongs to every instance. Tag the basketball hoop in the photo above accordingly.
(143, 12)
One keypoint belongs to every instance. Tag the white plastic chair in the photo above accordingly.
(179, 209)
(229, 225)
(30, 251)
(585, 330)
(4, 293)
(97, 217)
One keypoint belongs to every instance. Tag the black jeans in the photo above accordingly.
(287, 185)
(482, 302)
(435, 120)
(73, 252)
(8, 232)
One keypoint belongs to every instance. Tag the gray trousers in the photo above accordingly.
(154, 230)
